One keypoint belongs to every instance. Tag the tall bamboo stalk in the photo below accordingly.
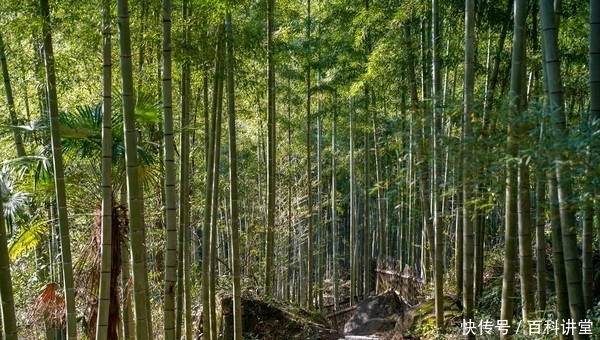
(512, 149)
(593, 187)
(310, 231)
(59, 175)
(352, 212)
(562, 169)
(437, 168)
(170, 282)
(469, 82)
(185, 183)
(10, 100)
(8, 329)
(233, 180)
(208, 203)
(334, 222)
(216, 194)
(105, 292)
(272, 147)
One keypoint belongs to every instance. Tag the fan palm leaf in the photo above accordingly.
(14, 202)
(39, 170)
(27, 239)
(81, 133)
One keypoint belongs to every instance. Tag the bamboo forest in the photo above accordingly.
(311, 169)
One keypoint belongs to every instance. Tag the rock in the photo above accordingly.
(421, 317)
(265, 320)
(375, 314)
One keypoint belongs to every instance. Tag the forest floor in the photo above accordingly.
(278, 320)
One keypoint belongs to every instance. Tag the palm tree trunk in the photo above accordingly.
(59, 176)
(134, 193)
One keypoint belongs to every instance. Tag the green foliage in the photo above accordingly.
(351, 48)
(27, 239)
(14, 202)
(594, 315)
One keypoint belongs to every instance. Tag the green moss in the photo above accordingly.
(421, 318)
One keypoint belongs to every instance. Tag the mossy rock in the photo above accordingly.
(270, 320)
(419, 320)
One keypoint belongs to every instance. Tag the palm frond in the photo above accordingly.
(149, 175)
(49, 305)
(81, 137)
(26, 162)
(147, 152)
(15, 206)
(38, 124)
(27, 239)
(14, 202)
(38, 166)
(148, 109)
(81, 131)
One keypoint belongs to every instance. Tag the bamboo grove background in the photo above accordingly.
(159, 154)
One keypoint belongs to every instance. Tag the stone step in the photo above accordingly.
(362, 337)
